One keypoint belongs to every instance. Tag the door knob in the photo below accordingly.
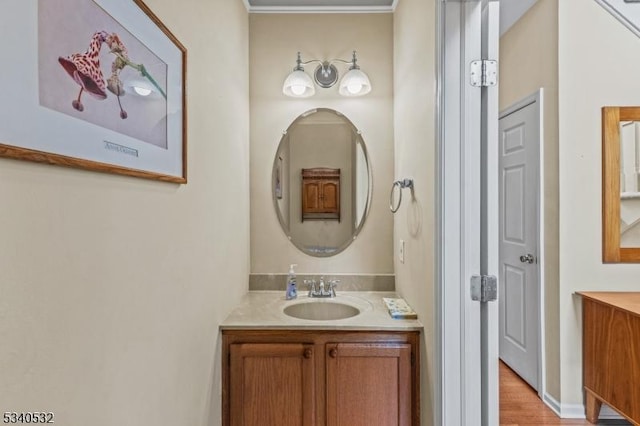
(529, 258)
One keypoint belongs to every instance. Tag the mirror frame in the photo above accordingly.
(367, 209)
(612, 252)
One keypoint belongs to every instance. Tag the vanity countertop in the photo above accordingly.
(264, 310)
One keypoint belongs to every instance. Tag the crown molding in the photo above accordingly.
(320, 9)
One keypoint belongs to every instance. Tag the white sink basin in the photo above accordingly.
(321, 310)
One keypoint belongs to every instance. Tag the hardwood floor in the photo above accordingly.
(520, 405)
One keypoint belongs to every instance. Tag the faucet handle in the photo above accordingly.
(332, 287)
(311, 284)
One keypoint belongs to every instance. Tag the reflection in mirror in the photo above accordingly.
(321, 182)
(629, 193)
(621, 184)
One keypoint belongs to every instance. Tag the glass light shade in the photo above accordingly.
(140, 88)
(298, 84)
(142, 91)
(354, 83)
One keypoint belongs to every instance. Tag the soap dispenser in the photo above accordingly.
(292, 290)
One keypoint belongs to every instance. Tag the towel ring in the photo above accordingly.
(400, 184)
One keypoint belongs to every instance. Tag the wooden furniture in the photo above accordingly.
(321, 194)
(316, 377)
(612, 250)
(611, 353)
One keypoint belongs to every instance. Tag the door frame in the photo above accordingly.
(537, 97)
(464, 392)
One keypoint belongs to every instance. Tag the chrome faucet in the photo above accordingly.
(323, 290)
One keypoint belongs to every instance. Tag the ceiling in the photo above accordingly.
(510, 10)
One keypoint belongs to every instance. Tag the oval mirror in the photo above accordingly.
(321, 182)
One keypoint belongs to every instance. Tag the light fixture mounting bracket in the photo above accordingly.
(325, 75)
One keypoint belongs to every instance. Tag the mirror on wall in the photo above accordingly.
(621, 184)
(321, 182)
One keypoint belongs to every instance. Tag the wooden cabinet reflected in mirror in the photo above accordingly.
(321, 194)
(621, 184)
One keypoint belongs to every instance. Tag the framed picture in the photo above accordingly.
(94, 84)
(278, 183)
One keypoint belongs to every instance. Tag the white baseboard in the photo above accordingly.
(552, 403)
(577, 411)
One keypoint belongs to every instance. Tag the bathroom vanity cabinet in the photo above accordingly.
(320, 377)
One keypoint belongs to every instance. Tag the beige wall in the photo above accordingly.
(529, 61)
(112, 288)
(414, 124)
(598, 67)
(274, 41)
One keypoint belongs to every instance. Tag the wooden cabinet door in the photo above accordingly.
(320, 194)
(311, 196)
(330, 197)
(368, 384)
(272, 384)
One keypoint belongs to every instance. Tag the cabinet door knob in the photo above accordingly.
(333, 353)
(308, 353)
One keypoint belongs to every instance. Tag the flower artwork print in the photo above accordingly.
(77, 50)
(85, 70)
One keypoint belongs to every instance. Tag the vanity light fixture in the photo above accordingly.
(298, 84)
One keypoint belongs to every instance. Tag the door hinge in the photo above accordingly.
(483, 73)
(484, 288)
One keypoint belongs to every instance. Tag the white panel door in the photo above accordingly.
(519, 286)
